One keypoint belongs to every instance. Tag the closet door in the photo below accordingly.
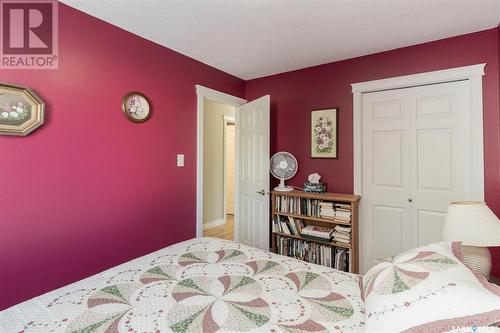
(441, 155)
(386, 174)
(417, 158)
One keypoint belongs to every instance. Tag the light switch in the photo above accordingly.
(180, 160)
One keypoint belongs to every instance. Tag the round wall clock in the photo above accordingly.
(136, 107)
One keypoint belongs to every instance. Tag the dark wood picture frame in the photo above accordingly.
(324, 133)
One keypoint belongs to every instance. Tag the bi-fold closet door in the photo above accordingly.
(417, 157)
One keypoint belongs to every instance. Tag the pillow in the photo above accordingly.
(428, 289)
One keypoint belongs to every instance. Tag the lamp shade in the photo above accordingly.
(473, 223)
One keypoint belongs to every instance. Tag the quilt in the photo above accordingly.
(200, 285)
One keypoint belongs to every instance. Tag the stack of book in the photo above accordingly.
(326, 210)
(317, 233)
(342, 213)
(342, 234)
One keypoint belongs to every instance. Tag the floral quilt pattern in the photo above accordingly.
(401, 274)
(202, 285)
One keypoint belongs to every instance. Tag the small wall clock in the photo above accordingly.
(136, 107)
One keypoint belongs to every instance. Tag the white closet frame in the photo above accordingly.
(472, 73)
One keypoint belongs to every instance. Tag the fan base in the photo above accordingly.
(283, 188)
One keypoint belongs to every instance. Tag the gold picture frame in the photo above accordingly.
(324, 133)
(21, 110)
(136, 107)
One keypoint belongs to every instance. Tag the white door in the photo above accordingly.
(252, 147)
(441, 155)
(416, 159)
(386, 171)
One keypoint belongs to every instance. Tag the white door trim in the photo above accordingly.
(420, 79)
(220, 97)
(471, 73)
(226, 120)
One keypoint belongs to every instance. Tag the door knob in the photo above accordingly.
(410, 199)
(261, 192)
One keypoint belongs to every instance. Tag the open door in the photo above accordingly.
(252, 149)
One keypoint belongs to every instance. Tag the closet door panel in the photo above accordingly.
(386, 170)
(440, 141)
(388, 225)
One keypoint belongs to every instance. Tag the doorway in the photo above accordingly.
(251, 167)
(211, 219)
(218, 169)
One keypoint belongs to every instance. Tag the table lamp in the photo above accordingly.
(473, 223)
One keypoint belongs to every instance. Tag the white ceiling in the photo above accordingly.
(251, 39)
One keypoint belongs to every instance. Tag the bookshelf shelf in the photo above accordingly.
(298, 208)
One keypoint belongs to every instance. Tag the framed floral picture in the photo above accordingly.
(136, 107)
(324, 133)
(21, 110)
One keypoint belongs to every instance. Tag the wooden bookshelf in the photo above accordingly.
(337, 198)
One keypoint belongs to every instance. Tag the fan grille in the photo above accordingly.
(283, 165)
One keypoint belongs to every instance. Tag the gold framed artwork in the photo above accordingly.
(324, 133)
(21, 110)
(136, 107)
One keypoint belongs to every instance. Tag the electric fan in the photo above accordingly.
(283, 165)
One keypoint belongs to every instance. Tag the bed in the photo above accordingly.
(209, 285)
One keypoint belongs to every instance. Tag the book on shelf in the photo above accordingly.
(342, 240)
(327, 214)
(309, 207)
(342, 220)
(322, 233)
(343, 206)
(342, 234)
(285, 228)
(313, 208)
(297, 205)
(342, 260)
(326, 209)
(329, 256)
(342, 214)
(287, 225)
(341, 228)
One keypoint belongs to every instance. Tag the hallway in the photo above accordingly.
(225, 231)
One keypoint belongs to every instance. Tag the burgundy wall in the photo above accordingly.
(90, 189)
(295, 94)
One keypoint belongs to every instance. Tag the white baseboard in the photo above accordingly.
(213, 224)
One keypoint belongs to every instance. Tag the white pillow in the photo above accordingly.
(428, 289)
